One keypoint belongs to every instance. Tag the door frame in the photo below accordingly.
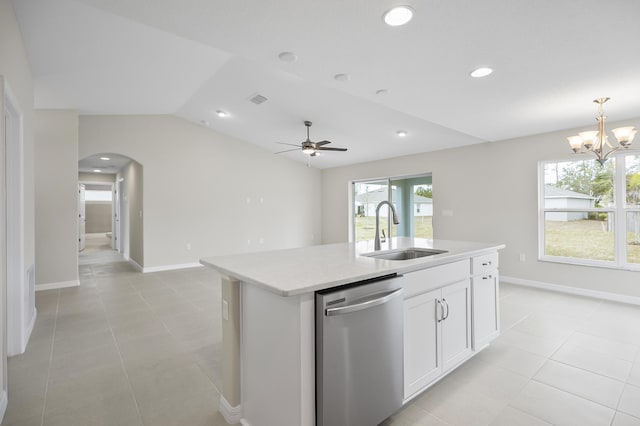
(20, 299)
(112, 185)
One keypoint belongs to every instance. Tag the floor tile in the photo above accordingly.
(561, 408)
(513, 417)
(622, 419)
(531, 343)
(413, 415)
(594, 387)
(589, 359)
(459, 405)
(196, 410)
(512, 358)
(154, 384)
(621, 350)
(630, 401)
(99, 382)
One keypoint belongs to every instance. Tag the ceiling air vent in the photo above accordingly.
(257, 99)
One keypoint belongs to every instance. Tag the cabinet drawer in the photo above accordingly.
(432, 278)
(484, 264)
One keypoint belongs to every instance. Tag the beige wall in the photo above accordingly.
(207, 189)
(16, 73)
(98, 215)
(56, 161)
(492, 191)
(96, 177)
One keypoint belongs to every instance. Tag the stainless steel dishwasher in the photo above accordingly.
(359, 352)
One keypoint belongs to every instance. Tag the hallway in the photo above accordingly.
(124, 348)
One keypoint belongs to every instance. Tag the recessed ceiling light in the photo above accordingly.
(342, 77)
(204, 122)
(402, 133)
(481, 72)
(97, 171)
(397, 16)
(222, 114)
(105, 158)
(288, 57)
(382, 92)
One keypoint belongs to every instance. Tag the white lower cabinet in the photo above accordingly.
(437, 333)
(485, 300)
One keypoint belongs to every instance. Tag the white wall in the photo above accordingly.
(56, 178)
(492, 190)
(208, 190)
(133, 222)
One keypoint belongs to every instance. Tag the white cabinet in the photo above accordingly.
(437, 323)
(486, 295)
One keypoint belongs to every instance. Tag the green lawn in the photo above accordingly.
(366, 227)
(581, 239)
(584, 239)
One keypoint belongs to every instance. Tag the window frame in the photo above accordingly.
(618, 212)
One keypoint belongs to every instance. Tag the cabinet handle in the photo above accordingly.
(442, 318)
(446, 303)
(487, 263)
(488, 277)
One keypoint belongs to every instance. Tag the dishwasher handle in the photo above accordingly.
(376, 300)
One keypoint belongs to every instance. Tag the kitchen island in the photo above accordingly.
(269, 318)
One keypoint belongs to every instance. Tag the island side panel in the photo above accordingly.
(231, 346)
(278, 358)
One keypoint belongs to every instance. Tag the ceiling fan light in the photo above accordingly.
(308, 150)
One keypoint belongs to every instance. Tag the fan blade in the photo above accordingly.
(284, 143)
(331, 149)
(288, 150)
(322, 143)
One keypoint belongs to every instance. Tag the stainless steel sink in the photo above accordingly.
(404, 254)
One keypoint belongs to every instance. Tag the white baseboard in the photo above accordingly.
(59, 284)
(135, 265)
(171, 267)
(604, 295)
(232, 415)
(3, 404)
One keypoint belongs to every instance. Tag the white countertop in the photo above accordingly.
(301, 270)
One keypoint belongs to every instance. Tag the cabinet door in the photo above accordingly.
(422, 358)
(456, 326)
(486, 312)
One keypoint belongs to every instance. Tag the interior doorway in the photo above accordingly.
(112, 215)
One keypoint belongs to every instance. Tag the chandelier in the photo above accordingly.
(596, 141)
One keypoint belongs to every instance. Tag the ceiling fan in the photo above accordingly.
(310, 148)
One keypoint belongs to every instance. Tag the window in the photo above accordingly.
(411, 197)
(590, 214)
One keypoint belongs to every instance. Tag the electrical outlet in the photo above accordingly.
(522, 257)
(188, 246)
(447, 212)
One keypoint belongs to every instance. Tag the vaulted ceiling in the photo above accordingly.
(192, 58)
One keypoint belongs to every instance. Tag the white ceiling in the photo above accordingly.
(113, 165)
(193, 57)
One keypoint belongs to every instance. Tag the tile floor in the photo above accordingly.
(127, 348)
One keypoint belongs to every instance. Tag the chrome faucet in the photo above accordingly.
(395, 222)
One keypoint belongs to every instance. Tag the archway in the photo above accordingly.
(109, 195)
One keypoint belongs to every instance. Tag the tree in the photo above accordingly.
(588, 177)
(424, 191)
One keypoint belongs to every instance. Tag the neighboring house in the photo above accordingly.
(558, 198)
(367, 202)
